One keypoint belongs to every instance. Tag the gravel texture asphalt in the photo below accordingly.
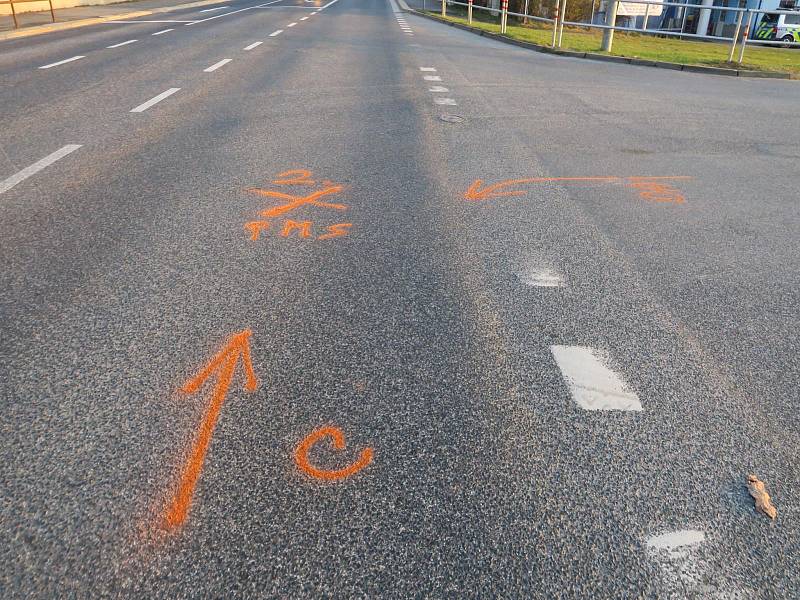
(420, 332)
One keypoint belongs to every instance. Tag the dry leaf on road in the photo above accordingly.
(759, 493)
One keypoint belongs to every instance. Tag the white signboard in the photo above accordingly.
(627, 9)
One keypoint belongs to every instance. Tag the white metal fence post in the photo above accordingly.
(735, 36)
(646, 15)
(555, 24)
(611, 20)
(469, 12)
(744, 37)
(561, 21)
(503, 15)
(444, 8)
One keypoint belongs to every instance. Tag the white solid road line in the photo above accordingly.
(438, 89)
(445, 101)
(62, 62)
(162, 31)
(172, 21)
(48, 160)
(233, 12)
(328, 4)
(217, 65)
(253, 45)
(274, 33)
(122, 44)
(291, 24)
(155, 100)
(213, 9)
(432, 78)
(592, 384)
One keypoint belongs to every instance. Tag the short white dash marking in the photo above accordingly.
(48, 160)
(274, 33)
(438, 89)
(445, 101)
(253, 45)
(217, 65)
(432, 78)
(291, 24)
(303, 18)
(538, 277)
(162, 31)
(592, 384)
(62, 62)
(428, 69)
(155, 100)
(122, 44)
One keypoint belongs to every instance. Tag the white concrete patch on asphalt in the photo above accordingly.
(62, 62)
(162, 31)
(438, 89)
(253, 45)
(155, 100)
(592, 384)
(217, 65)
(291, 24)
(274, 33)
(541, 277)
(48, 160)
(445, 101)
(122, 44)
(432, 78)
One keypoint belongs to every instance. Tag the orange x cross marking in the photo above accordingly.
(298, 201)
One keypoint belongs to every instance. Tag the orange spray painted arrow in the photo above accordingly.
(492, 191)
(225, 364)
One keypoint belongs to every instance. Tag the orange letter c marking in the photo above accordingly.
(301, 455)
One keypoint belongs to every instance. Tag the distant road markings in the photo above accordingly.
(445, 101)
(274, 33)
(217, 65)
(155, 100)
(592, 384)
(253, 45)
(428, 69)
(438, 89)
(122, 44)
(432, 78)
(48, 160)
(212, 9)
(162, 31)
(162, 21)
(291, 24)
(62, 62)
(233, 12)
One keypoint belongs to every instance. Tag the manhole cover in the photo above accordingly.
(452, 119)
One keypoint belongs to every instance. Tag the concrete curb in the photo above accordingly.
(64, 26)
(606, 57)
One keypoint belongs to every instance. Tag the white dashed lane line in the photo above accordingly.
(122, 44)
(217, 65)
(432, 78)
(303, 18)
(213, 9)
(62, 62)
(253, 45)
(155, 100)
(427, 69)
(445, 101)
(274, 33)
(291, 24)
(438, 89)
(48, 160)
(162, 31)
(592, 384)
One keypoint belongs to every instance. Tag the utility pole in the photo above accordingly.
(611, 20)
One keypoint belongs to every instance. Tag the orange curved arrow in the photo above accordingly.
(491, 191)
(224, 363)
(301, 455)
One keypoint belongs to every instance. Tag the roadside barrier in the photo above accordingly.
(744, 23)
(14, 13)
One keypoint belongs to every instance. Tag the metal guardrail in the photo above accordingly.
(14, 13)
(558, 22)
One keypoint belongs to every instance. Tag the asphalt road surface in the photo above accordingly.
(552, 387)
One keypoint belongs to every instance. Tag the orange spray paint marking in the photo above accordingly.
(298, 201)
(301, 455)
(294, 177)
(255, 228)
(303, 226)
(336, 230)
(223, 363)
